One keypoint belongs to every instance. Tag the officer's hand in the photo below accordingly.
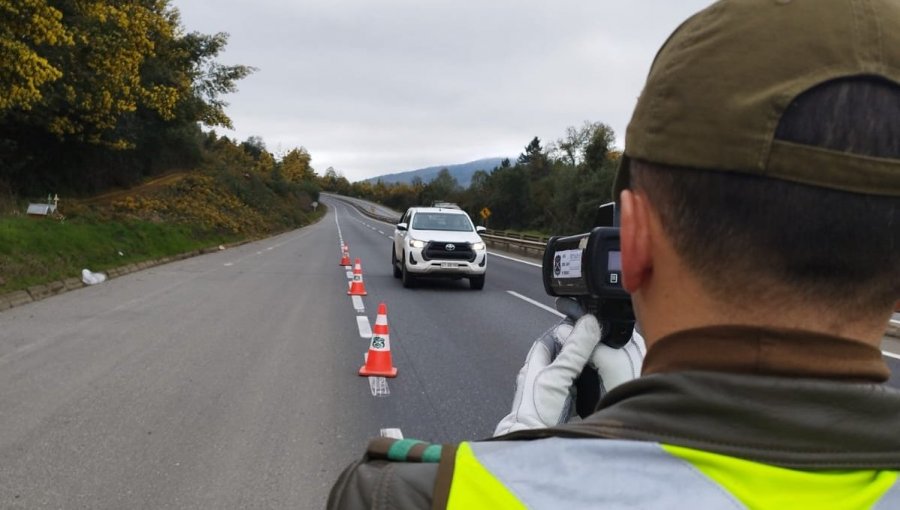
(617, 366)
(544, 384)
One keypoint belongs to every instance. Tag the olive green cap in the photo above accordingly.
(719, 86)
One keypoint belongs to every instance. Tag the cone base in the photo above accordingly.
(351, 293)
(344, 264)
(377, 373)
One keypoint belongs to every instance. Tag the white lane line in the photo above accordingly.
(380, 232)
(349, 275)
(365, 329)
(229, 264)
(891, 354)
(535, 303)
(259, 253)
(392, 433)
(495, 254)
(270, 248)
(895, 323)
(379, 387)
(358, 304)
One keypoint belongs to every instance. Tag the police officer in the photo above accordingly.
(760, 239)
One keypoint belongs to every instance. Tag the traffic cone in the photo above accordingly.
(378, 361)
(357, 287)
(345, 255)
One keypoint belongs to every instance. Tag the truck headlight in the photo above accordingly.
(478, 246)
(415, 243)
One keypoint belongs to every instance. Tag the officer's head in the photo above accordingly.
(761, 174)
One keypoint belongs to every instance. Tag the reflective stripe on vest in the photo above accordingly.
(609, 474)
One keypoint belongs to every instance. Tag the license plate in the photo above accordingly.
(449, 265)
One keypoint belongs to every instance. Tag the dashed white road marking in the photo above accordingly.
(270, 248)
(495, 254)
(358, 304)
(365, 329)
(229, 264)
(379, 387)
(349, 275)
(392, 433)
(535, 303)
(259, 253)
(380, 232)
(891, 354)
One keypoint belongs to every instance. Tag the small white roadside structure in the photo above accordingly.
(44, 209)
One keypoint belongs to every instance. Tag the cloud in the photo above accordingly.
(378, 87)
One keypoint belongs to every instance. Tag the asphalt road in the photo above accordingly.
(230, 380)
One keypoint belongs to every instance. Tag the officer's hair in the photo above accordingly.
(749, 237)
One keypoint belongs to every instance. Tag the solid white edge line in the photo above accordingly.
(349, 275)
(891, 354)
(495, 254)
(535, 303)
(895, 323)
(392, 433)
(365, 329)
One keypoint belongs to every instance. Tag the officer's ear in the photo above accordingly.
(635, 240)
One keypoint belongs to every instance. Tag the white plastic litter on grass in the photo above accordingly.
(90, 278)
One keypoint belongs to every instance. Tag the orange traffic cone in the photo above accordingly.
(345, 255)
(357, 287)
(378, 361)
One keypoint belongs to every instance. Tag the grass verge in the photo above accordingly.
(37, 250)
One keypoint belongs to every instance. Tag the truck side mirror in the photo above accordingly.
(402, 227)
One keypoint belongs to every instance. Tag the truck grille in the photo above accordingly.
(437, 250)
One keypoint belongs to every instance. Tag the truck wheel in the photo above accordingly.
(397, 273)
(409, 281)
(476, 282)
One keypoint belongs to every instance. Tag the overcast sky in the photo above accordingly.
(375, 87)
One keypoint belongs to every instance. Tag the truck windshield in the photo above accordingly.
(442, 221)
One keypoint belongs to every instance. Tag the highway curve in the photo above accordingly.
(230, 380)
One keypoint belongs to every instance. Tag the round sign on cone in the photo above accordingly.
(378, 360)
(357, 287)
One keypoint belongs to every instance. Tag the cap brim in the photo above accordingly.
(623, 177)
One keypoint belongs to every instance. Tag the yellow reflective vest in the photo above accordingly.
(614, 474)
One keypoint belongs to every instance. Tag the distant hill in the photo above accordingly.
(462, 172)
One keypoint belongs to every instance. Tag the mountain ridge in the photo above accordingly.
(462, 172)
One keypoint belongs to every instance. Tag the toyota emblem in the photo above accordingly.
(450, 247)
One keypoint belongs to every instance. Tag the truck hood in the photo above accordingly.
(445, 236)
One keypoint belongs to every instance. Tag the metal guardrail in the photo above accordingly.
(515, 241)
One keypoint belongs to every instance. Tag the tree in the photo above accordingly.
(598, 147)
(28, 28)
(295, 166)
(532, 152)
(111, 87)
(441, 188)
(585, 147)
(254, 146)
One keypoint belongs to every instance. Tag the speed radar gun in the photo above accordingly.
(587, 270)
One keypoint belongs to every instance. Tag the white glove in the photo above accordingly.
(544, 384)
(617, 366)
